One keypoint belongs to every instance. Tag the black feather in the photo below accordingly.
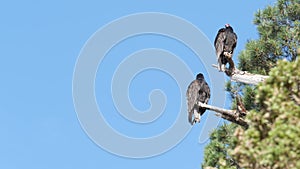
(225, 41)
(198, 91)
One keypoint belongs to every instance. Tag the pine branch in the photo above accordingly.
(235, 116)
(243, 76)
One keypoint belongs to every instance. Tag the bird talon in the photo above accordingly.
(197, 120)
(223, 68)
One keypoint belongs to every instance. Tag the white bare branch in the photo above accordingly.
(243, 76)
(234, 116)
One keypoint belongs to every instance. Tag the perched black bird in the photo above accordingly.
(198, 91)
(225, 43)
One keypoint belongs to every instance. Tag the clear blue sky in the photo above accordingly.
(40, 42)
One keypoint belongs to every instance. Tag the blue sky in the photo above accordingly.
(40, 44)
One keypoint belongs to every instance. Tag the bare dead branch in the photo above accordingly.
(234, 116)
(243, 76)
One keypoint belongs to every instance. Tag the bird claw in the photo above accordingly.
(196, 120)
(197, 117)
(227, 54)
(223, 68)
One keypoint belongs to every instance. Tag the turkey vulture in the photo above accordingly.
(198, 91)
(225, 43)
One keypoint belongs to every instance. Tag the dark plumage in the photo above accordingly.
(225, 43)
(198, 91)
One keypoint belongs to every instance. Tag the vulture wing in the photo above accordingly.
(219, 42)
(230, 41)
(204, 95)
(192, 95)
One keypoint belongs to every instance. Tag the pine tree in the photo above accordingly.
(272, 140)
(279, 36)
(221, 140)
